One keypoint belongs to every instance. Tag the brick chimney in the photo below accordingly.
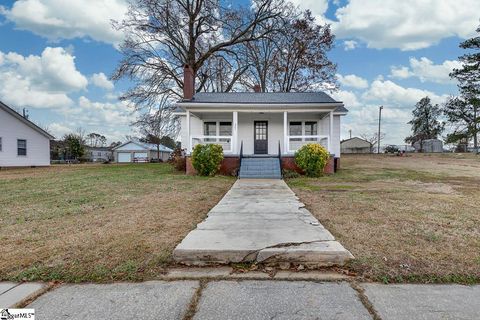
(188, 82)
(257, 88)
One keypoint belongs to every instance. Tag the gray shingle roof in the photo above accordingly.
(262, 97)
(341, 109)
(147, 146)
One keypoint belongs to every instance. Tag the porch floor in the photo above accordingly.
(260, 220)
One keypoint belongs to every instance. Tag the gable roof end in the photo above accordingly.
(29, 123)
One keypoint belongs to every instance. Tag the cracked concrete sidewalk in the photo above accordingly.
(251, 299)
(260, 220)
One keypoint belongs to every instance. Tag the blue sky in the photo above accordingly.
(56, 57)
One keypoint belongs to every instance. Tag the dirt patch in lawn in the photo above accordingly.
(98, 222)
(404, 218)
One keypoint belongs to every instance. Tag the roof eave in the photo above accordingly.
(26, 121)
(213, 105)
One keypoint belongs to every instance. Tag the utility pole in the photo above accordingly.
(379, 121)
(350, 131)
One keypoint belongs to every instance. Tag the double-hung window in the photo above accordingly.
(295, 130)
(225, 129)
(209, 129)
(310, 130)
(21, 147)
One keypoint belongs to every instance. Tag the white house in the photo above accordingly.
(255, 123)
(355, 145)
(135, 151)
(99, 154)
(22, 143)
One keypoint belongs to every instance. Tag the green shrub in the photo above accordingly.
(312, 159)
(289, 174)
(206, 158)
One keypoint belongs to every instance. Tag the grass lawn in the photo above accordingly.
(414, 218)
(98, 222)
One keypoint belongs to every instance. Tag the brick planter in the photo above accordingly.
(228, 167)
(288, 163)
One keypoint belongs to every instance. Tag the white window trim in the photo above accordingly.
(26, 148)
(217, 126)
(303, 126)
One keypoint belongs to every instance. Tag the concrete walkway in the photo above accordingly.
(260, 220)
(257, 300)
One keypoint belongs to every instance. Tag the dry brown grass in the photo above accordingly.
(413, 218)
(98, 222)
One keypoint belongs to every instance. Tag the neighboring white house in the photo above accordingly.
(22, 143)
(355, 145)
(261, 123)
(99, 154)
(135, 151)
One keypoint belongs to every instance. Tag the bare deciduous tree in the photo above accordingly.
(372, 138)
(95, 140)
(163, 36)
(157, 124)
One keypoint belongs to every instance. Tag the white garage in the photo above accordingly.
(135, 151)
(124, 157)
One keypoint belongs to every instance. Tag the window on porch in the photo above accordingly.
(210, 129)
(311, 130)
(225, 129)
(302, 132)
(219, 132)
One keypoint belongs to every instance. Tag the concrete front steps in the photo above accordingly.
(260, 168)
(260, 221)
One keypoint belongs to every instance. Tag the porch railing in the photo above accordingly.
(224, 141)
(296, 142)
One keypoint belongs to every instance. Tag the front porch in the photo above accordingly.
(261, 132)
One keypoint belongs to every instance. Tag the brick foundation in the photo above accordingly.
(230, 165)
(288, 163)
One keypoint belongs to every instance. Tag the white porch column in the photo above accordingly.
(189, 139)
(330, 132)
(235, 133)
(285, 132)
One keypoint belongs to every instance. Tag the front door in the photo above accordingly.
(260, 137)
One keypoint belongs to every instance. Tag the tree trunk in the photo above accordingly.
(158, 153)
(475, 128)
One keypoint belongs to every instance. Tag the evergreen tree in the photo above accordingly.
(74, 146)
(425, 123)
(463, 111)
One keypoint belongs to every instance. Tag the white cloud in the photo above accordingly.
(19, 92)
(40, 81)
(426, 70)
(99, 113)
(353, 81)
(350, 45)
(398, 104)
(400, 72)
(348, 98)
(408, 24)
(60, 19)
(110, 119)
(59, 130)
(392, 94)
(317, 7)
(100, 80)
